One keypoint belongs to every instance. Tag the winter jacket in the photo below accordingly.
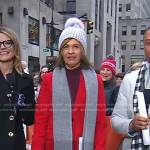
(16, 108)
(43, 131)
(123, 110)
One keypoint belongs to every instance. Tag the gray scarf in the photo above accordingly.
(62, 113)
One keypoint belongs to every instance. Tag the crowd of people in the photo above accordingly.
(73, 101)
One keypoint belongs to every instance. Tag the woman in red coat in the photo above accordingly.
(70, 113)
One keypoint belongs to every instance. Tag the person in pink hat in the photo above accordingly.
(108, 69)
(108, 72)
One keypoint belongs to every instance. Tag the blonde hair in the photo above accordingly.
(136, 66)
(85, 63)
(17, 58)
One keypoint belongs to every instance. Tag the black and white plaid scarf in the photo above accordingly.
(137, 142)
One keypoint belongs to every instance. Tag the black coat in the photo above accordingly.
(16, 107)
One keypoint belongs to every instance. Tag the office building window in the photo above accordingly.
(48, 36)
(143, 28)
(56, 39)
(128, 7)
(123, 63)
(141, 44)
(96, 13)
(123, 68)
(71, 6)
(52, 36)
(123, 45)
(100, 15)
(33, 31)
(128, 17)
(124, 30)
(120, 7)
(133, 30)
(133, 45)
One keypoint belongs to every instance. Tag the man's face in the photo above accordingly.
(147, 45)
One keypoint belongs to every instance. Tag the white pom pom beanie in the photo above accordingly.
(74, 28)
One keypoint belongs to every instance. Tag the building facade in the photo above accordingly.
(131, 33)
(133, 20)
(134, 9)
(109, 30)
(104, 14)
(32, 21)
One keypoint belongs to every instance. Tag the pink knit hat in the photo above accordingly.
(109, 63)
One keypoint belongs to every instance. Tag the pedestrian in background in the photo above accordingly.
(136, 66)
(70, 112)
(44, 70)
(119, 77)
(25, 66)
(16, 94)
(108, 72)
(133, 98)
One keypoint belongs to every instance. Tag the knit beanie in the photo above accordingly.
(109, 63)
(74, 28)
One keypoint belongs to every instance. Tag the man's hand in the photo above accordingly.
(139, 123)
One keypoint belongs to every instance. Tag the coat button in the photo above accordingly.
(11, 134)
(9, 95)
(11, 117)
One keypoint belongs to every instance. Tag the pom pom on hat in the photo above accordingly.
(74, 22)
(74, 28)
(109, 63)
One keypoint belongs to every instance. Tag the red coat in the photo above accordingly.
(43, 128)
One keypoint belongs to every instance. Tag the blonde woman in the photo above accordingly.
(16, 93)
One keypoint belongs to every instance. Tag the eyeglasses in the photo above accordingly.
(6, 44)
